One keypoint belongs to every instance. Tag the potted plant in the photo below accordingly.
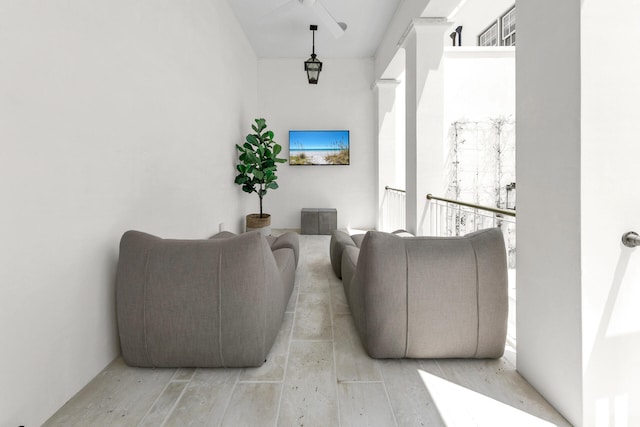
(258, 163)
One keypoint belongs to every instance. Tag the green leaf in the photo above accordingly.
(251, 158)
(277, 149)
(253, 140)
(272, 185)
(258, 174)
(242, 179)
(281, 160)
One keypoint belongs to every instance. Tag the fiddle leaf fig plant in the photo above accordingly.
(258, 161)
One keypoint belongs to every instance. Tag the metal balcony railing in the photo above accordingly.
(393, 209)
(450, 217)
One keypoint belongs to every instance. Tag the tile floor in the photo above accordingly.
(317, 374)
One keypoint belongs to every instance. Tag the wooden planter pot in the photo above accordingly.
(256, 223)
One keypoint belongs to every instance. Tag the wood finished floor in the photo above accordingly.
(317, 374)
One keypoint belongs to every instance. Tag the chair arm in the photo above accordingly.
(339, 240)
(378, 295)
(287, 240)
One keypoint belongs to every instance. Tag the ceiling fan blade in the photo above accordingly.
(334, 27)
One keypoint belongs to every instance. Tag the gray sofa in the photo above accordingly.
(215, 302)
(428, 297)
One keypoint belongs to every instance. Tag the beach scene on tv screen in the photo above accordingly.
(324, 147)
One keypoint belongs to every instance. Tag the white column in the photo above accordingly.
(578, 326)
(423, 44)
(548, 176)
(386, 151)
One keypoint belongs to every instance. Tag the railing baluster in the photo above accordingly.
(394, 209)
(448, 217)
(452, 218)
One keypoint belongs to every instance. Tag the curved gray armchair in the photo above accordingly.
(429, 297)
(339, 241)
(201, 303)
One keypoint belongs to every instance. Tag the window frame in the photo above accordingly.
(510, 38)
(498, 24)
(487, 30)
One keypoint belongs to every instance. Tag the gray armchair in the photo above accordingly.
(202, 303)
(429, 297)
(339, 241)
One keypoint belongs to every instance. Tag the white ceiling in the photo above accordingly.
(280, 28)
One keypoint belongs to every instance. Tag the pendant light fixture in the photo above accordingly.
(312, 65)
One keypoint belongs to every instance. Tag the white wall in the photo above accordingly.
(578, 287)
(610, 149)
(113, 115)
(343, 99)
(549, 216)
(479, 83)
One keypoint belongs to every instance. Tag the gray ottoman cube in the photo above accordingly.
(318, 220)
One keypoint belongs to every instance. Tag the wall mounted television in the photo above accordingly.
(318, 147)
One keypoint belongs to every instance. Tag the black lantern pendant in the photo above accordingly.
(312, 65)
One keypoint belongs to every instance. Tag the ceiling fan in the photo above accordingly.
(336, 28)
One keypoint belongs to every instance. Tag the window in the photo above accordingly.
(500, 33)
(509, 28)
(490, 36)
